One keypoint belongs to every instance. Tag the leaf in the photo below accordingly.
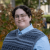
(3, 17)
(7, 18)
(0, 32)
(1, 43)
(4, 11)
(4, 24)
(1, 28)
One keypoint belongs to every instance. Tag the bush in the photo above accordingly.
(37, 19)
(6, 21)
(48, 19)
(46, 31)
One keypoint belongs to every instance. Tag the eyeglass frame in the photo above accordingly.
(21, 15)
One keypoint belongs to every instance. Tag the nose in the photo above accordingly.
(19, 18)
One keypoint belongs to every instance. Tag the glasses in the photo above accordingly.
(22, 16)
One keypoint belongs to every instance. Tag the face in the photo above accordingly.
(21, 19)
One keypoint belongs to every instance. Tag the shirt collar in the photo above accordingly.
(26, 29)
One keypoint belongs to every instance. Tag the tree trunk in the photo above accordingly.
(13, 3)
(28, 2)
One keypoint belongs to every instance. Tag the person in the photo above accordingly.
(45, 23)
(26, 37)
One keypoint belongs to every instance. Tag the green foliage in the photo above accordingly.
(6, 1)
(1, 28)
(17, 2)
(45, 15)
(46, 31)
(32, 3)
(37, 19)
(48, 19)
(6, 21)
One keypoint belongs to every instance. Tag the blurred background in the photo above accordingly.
(40, 16)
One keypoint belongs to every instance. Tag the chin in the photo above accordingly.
(21, 25)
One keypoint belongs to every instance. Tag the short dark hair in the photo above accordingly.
(25, 8)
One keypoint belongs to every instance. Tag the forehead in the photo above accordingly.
(20, 11)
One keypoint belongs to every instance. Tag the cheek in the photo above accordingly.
(28, 19)
(16, 21)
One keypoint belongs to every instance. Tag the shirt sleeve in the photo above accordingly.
(42, 44)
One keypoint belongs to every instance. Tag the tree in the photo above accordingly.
(6, 20)
(13, 3)
(6, 1)
(29, 3)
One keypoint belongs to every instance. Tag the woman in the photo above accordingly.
(26, 37)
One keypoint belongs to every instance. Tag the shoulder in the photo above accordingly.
(42, 44)
(12, 33)
(36, 31)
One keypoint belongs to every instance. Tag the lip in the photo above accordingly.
(20, 21)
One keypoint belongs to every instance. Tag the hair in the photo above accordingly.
(25, 8)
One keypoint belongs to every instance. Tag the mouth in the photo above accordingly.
(20, 22)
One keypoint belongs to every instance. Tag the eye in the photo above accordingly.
(22, 15)
(16, 16)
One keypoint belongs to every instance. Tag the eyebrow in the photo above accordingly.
(20, 14)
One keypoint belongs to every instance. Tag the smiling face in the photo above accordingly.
(21, 19)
